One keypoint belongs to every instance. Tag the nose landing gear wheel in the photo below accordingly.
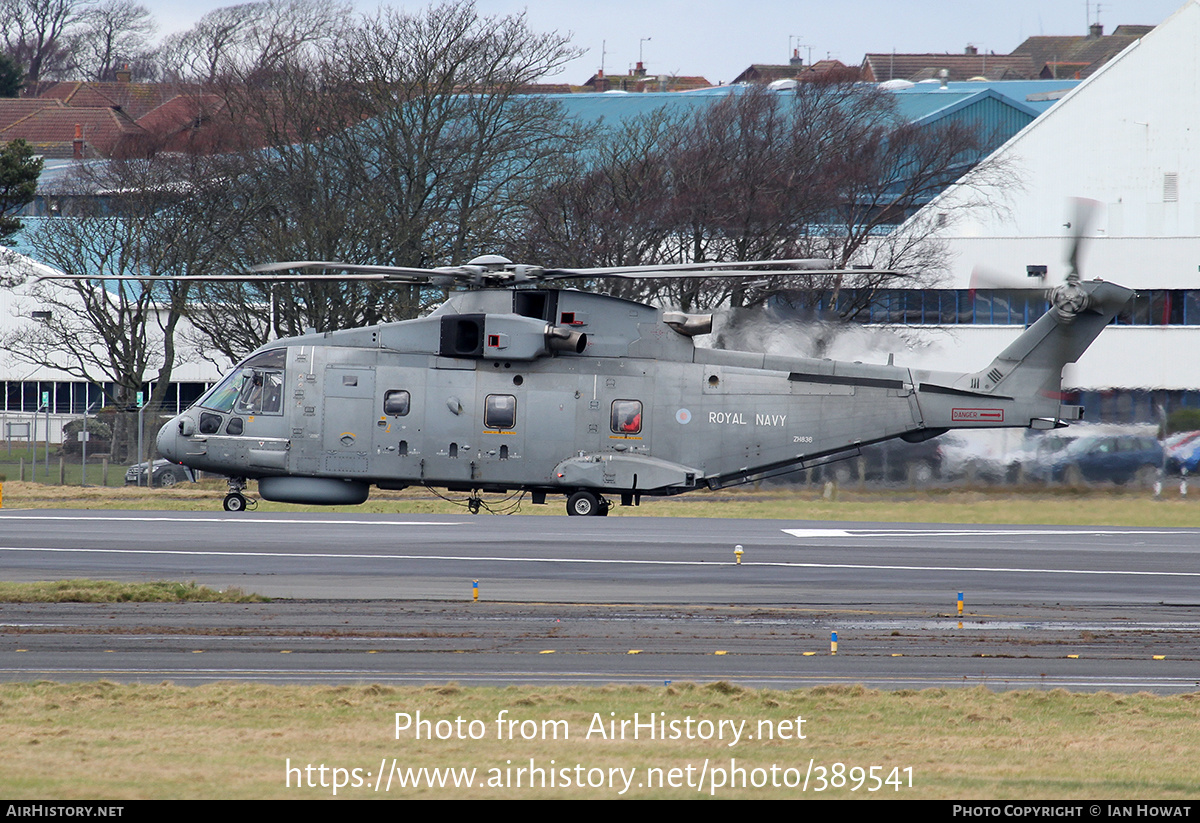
(234, 502)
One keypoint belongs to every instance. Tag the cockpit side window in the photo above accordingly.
(254, 387)
(261, 393)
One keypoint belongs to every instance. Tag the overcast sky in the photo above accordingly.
(718, 40)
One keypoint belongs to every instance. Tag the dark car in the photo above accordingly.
(1116, 458)
(166, 474)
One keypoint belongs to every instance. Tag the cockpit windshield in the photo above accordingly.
(254, 387)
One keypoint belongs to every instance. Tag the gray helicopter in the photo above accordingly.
(511, 386)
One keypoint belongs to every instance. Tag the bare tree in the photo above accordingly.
(448, 140)
(603, 202)
(823, 171)
(112, 34)
(157, 220)
(252, 41)
(413, 148)
(36, 32)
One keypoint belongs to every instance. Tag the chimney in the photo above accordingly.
(77, 146)
(640, 71)
(1095, 30)
(971, 50)
(601, 81)
(123, 74)
(796, 61)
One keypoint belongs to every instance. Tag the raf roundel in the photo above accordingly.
(683, 417)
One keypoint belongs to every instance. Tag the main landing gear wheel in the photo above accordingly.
(583, 504)
(234, 502)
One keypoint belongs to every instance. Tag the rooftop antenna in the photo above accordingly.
(794, 46)
(641, 64)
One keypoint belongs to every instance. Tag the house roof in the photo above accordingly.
(13, 109)
(643, 82)
(767, 73)
(879, 68)
(135, 99)
(1081, 56)
(106, 132)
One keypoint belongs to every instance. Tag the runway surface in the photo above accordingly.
(388, 599)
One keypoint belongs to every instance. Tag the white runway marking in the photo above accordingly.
(442, 558)
(973, 532)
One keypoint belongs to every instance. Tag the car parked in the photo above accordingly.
(1115, 458)
(1040, 451)
(165, 474)
(1183, 451)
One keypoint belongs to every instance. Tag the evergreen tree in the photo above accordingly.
(12, 79)
(19, 172)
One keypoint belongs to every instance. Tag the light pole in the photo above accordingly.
(84, 441)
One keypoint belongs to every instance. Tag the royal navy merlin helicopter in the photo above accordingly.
(513, 386)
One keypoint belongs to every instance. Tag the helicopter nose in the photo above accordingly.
(168, 440)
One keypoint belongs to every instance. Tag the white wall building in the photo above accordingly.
(23, 385)
(1129, 138)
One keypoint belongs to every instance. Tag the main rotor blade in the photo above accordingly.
(226, 278)
(389, 272)
(711, 274)
(478, 275)
(1084, 214)
(666, 268)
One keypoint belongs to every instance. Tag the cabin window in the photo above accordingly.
(396, 403)
(627, 416)
(500, 411)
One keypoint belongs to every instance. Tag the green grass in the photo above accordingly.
(70, 471)
(103, 740)
(1031, 505)
(108, 591)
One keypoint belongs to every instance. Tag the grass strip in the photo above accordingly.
(109, 591)
(104, 740)
(1029, 505)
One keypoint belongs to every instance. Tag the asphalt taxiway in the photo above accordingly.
(390, 599)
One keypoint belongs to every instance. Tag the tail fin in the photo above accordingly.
(1032, 365)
